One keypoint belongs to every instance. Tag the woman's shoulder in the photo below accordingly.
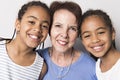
(85, 57)
(43, 52)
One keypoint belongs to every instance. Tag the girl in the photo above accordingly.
(18, 58)
(98, 36)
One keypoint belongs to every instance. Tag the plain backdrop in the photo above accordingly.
(9, 10)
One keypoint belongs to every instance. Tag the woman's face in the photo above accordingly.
(33, 28)
(64, 30)
(96, 36)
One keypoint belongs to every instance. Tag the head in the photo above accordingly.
(66, 18)
(97, 32)
(32, 24)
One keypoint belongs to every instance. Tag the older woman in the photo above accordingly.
(64, 62)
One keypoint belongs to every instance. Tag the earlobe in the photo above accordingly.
(113, 34)
(17, 25)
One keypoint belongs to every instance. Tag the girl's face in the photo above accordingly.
(64, 30)
(33, 28)
(96, 36)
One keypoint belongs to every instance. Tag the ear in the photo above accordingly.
(113, 34)
(17, 25)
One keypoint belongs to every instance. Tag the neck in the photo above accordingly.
(109, 60)
(110, 56)
(61, 59)
(19, 55)
(16, 48)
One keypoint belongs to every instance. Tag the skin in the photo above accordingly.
(97, 39)
(31, 31)
(95, 36)
(33, 27)
(63, 36)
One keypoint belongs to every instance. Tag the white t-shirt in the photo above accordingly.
(112, 74)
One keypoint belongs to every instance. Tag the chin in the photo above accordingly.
(99, 55)
(33, 45)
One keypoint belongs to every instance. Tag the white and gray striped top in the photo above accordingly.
(11, 71)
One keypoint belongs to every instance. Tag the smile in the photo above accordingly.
(98, 48)
(62, 42)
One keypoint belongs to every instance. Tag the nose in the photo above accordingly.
(95, 39)
(64, 33)
(37, 29)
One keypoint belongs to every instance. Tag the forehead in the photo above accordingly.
(37, 11)
(64, 12)
(93, 23)
(63, 15)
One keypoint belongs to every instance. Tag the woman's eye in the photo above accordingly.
(57, 25)
(73, 29)
(31, 22)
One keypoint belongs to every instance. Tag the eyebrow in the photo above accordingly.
(101, 28)
(96, 29)
(45, 21)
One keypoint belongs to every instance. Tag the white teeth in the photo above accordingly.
(62, 42)
(33, 36)
(98, 48)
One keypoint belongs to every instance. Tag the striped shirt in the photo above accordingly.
(11, 71)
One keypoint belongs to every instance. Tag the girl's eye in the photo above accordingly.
(45, 27)
(101, 33)
(86, 36)
(31, 22)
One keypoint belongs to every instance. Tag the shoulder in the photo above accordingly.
(2, 42)
(43, 52)
(2, 46)
(86, 58)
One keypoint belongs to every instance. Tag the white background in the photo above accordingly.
(9, 10)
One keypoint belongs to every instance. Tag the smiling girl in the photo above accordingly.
(18, 58)
(98, 36)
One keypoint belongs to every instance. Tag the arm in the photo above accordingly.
(43, 71)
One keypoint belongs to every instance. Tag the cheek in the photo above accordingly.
(85, 43)
(54, 32)
(24, 28)
(73, 38)
(44, 34)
